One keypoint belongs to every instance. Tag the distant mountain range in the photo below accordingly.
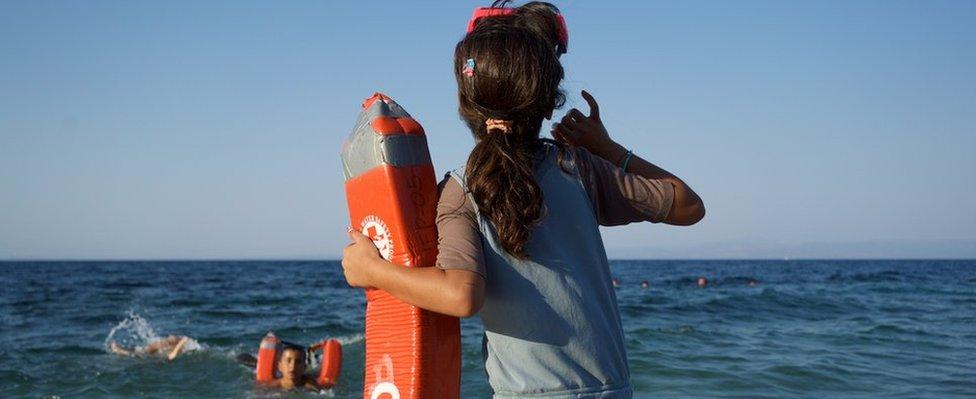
(954, 249)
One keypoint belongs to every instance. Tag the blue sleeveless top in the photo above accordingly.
(552, 327)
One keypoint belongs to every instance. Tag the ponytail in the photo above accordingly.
(501, 178)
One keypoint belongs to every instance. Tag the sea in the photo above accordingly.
(758, 329)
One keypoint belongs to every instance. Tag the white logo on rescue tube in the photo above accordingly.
(385, 388)
(376, 230)
(384, 371)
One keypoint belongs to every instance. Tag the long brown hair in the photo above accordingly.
(507, 71)
(539, 17)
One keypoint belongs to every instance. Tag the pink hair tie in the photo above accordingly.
(498, 124)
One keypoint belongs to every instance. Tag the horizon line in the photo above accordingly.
(786, 259)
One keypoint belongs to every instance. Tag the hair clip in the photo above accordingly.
(469, 67)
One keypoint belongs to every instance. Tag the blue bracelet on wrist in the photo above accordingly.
(626, 160)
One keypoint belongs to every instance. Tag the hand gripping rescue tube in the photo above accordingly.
(392, 195)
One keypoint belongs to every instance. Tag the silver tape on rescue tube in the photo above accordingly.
(366, 149)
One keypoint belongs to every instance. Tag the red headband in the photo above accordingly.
(488, 12)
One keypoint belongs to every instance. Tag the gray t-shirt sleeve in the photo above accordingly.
(620, 198)
(458, 238)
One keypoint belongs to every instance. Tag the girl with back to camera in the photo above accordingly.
(519, 243)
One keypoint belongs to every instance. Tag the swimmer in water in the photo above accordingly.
(753, 283)
(291, 364)
(645, 284)
(616, 282)
(171, 346)
(702, 282)
(292, 367)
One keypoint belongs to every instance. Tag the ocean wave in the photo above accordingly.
(772, 303)
(885, 329)
(126, 285)
(869, 277)
(63, 349)
(351, 339)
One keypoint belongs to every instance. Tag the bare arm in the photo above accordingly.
(577, 129)
(178, 349)
(119, 350)
(458, 293)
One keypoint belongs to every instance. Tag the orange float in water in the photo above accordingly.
(391, 190)
(268, 358)
(331, 362)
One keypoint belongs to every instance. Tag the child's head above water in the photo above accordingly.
(291, 363)
(508, 74)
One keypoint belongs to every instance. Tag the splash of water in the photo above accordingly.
(349, 339)
(134, 331)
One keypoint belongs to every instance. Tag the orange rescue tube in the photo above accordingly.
(391, 190)
(331, 362)
(267, 356)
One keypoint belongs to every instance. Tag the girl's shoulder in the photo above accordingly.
(452, 197)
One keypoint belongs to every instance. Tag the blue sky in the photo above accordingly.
(211, 129)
